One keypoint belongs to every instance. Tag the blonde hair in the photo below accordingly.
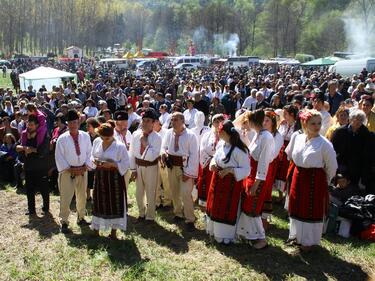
(306, 114)
(242, 119)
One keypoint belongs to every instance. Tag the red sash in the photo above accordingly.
(223, 198)
(308, 197)
(203, 182)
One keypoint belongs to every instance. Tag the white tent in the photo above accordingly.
(46, 76)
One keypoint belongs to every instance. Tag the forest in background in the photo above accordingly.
(266, 28)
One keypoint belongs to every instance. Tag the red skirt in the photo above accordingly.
(252, 204)
(289, 176)
(223, 198)
(308, 196)
(283, 163)
(203, 182)
(270, 179)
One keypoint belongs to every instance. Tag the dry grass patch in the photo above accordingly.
(33, 249)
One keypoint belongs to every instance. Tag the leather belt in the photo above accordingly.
(176, 160)
(145, 163)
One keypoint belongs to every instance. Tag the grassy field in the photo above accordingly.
(5, 82)
(33, 249)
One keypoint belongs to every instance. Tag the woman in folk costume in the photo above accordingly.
(243, 128)
(207, 150)
(230, 165)
(315, 166)
(250, 224)
(109, 198)
(270, 124)
(200, 129)
(286, 129)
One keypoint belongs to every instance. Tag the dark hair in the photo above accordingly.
(93, 122)
(367, 98)
(112, 123)
(105, 130)
(234, 139)
(272, 115)
(60, 116)
(33, 118)
(292, 110)
(101, 119)
(257, 117)
(31, 107)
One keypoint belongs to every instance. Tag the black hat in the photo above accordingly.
(149, 113)
(121, 115)
(72, 115)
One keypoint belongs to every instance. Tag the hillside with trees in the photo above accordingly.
(264, 27)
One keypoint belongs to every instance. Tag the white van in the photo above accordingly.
(109, 62)
(242, 61)
(196, 61)
(349, 67)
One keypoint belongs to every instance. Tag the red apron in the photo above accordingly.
(270, 179)
(223, 198)
(283, 163)
(308, 196)
(252, 204)
(203, 182)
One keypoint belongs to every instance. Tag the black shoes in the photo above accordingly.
(82, 222)
(65, 229)
(190, 227)
(177, 219)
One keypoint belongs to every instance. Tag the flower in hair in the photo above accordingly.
(221, 127)
(305, 115)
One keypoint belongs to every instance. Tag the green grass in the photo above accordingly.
(33, 249)
(5, 82)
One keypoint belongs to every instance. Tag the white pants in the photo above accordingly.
(146, 187)
(165, 198)
(68, 187)
(183, 205)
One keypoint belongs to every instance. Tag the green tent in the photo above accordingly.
(322, 61)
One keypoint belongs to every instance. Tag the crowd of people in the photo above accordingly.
(221, 138)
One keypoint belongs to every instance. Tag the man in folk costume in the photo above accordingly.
(122, 134)
(73, 151)
(163, 197)
(144, 158)
(180, 155)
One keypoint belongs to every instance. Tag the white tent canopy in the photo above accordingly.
(46, 76)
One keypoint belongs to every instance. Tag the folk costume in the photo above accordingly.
(224, 194)
(184, 160)
(286, 130)
(72, 157)
(207, 150)
(261, 152)
(144, 161)
(109, 195)
(315, 166)
(271, 175)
